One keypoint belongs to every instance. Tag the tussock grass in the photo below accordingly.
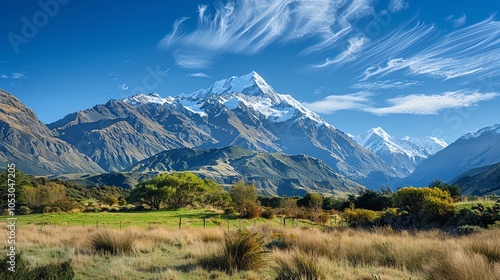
(242, 250)
(487, 244)
(297, 265)
(214, 253)
(112, 242)
(458, 265)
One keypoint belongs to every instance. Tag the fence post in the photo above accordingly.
(97, 223)
(204, 222)
(284, 222)
(180, 222)
(120, 225)
(227, 224)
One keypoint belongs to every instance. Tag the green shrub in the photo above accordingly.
(268, 213)
(467, 229)
(360, 217)
(24, 210)
(241, 251)
(110, 242)
(229, 211)
(59, 271)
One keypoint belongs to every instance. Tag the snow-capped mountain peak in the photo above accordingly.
(493, 128)
(250, 84)
(141, 98)
(252, 91)
(405, 153)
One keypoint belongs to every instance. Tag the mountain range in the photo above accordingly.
(401, 154)
(473, 150)
(239, 128)
(243, 111)
(272, 173)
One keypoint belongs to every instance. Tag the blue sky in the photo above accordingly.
(414, 68)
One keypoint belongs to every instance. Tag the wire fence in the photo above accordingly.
(229, 223)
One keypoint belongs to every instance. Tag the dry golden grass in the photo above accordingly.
(338, 254)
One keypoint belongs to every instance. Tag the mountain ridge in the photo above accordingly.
(272, 173)
(32, 146)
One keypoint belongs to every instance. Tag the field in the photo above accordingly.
(162, 251)
(167, 219)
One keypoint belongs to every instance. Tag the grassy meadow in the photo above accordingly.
(162, 251)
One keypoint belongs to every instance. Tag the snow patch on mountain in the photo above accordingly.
(194, 107)
(141, 98)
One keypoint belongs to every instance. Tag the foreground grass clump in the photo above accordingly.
(298, 266)
(242, 250)
(463, 266)
(112, 242)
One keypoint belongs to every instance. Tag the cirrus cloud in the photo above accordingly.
(425, 104)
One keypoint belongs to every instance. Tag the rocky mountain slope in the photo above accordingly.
(34, 148)
(480, 181)
(273, 173)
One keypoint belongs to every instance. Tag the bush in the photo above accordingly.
(241, 251)
(110, 242)
(467, 229)
(299, 266)
(252, 210)
(229, 211)
(360, 217)
(268, 213)
(60, 271)
(24, 210)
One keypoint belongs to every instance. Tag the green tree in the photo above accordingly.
(311, 200)
(179, 190)
(111, 200)
(150, 194)
(373, 200)
(427, 205)
(241, 194)
(454, 190)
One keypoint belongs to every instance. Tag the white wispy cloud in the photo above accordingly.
(471, 50)
(198, 75)
(350, 54)
(395, 6)
(18, 76)
(123, 87)
(424, 104)
(4, 76)
(457, 22)
(249, 26)
(333, 103)
(387, 84)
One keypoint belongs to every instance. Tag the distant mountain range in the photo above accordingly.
(273, 173)
(243, 111)
(239, 128)
(401, 154)
(472, 150)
